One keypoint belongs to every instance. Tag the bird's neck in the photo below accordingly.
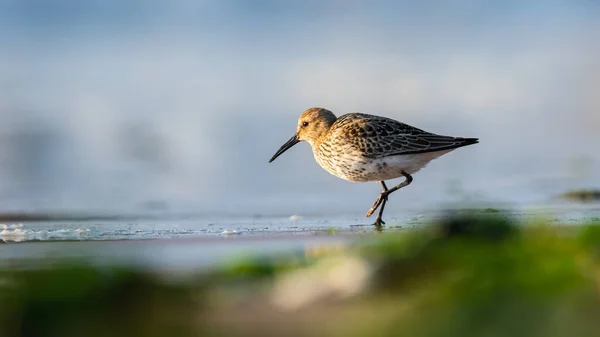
(324, 127)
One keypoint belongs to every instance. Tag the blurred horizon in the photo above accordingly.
(112, 105)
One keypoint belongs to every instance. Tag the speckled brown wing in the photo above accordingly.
(378, 137)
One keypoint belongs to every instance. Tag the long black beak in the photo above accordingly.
(293, 141)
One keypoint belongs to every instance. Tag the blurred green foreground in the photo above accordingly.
(467, 276)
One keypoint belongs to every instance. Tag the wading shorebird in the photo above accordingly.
(359, 148)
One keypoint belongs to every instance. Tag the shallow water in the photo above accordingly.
(174, 227)
(186, 243)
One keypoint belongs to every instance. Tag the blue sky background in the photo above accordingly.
(106, 105)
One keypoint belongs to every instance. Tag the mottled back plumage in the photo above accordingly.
(378, 137)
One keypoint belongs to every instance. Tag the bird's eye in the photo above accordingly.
(305, 124)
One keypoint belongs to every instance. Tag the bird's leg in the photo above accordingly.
(379, 221)
(383, 197)
(405, 183)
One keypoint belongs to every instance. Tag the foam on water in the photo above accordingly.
(13, 233)
(19, 233)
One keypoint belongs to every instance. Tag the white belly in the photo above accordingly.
(385, 168)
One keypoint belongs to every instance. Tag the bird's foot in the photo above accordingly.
(379, 224)
(380, 199)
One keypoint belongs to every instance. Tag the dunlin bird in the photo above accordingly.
(359, 148)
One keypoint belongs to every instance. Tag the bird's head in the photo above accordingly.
(312, 125)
